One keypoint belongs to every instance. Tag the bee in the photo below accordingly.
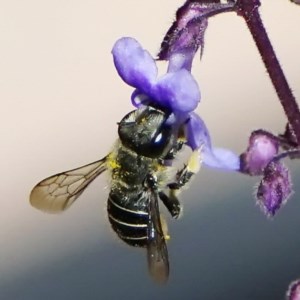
(139, 167)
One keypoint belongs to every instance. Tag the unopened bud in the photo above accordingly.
(293, 292)
(274, 188)
(261, 150)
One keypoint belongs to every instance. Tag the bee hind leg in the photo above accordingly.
(171, 202)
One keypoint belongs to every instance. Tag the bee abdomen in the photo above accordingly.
(129, 219)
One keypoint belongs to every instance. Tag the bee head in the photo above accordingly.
(146, 132)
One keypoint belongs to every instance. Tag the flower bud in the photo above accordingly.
(293, 292)
(274, 188)
(296, 1)
(261, 150)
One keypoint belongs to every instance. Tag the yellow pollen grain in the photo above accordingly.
(167, 237)
(182, 139)
(143, 120)
(195, 161)
(112, 163)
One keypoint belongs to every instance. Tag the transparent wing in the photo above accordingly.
(157, 252)
(56, 193)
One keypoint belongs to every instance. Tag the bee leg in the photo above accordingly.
(183, 176)
(171, 202)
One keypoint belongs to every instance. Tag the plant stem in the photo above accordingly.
(248, 9)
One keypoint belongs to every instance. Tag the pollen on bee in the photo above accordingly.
(167, 237)
(112, 163)
(181, 139)
(195, 161)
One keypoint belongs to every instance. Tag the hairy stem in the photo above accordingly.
(248, 9)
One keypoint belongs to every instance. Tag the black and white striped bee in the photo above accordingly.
(139, 167)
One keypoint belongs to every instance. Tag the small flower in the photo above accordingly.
(275, 188)
(176, 91)
(261, 150)
(293, 292)
(262, 157)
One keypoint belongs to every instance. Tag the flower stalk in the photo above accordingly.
(248, 9)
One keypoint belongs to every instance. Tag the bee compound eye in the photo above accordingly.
(161, 143)
(146, 133)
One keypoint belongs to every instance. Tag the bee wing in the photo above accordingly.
(56, 193)
(157, 252)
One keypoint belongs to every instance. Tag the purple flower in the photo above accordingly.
(275, 188)
(176, 91)
(261, 150)
(293, 292)
(263, 157)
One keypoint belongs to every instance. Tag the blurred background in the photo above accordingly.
(60, 101)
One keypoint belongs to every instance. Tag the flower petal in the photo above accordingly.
(293, 292)
(261, 150)
(197, 136)
(138, 99)
(134, 64)
(178, 61)
(196, 132)
(221, 158)
(178, 91)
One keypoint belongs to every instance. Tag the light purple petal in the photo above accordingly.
(198, 136)
(261, 150)
(293, 292)
(138, 99)
(178, 91)
(196, 132)
(178, 61)
(134, 64)
(221, 159)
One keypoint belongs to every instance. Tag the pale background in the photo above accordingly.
(60, 101)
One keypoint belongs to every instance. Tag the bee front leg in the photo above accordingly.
(183, 177)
